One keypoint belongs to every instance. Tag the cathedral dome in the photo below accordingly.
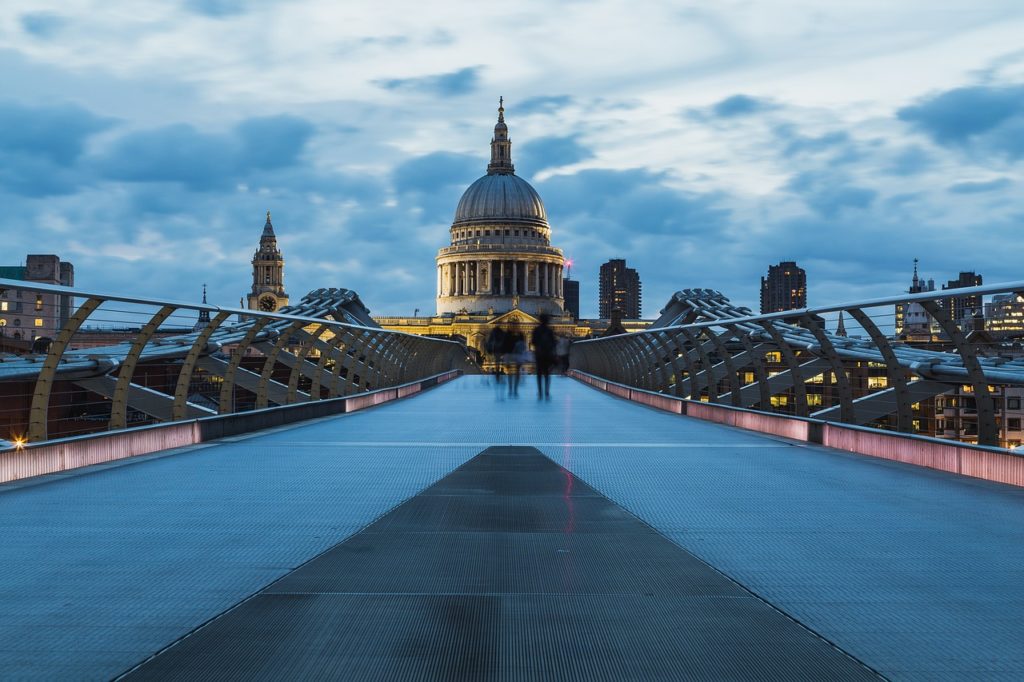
(500, 198)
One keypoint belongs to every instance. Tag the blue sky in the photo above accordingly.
(700, 141)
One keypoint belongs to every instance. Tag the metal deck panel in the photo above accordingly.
(878, 556)
(467, 596)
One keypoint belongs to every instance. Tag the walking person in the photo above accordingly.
(562, 354)
(544, 345)
(512, 349)
(519, 358)
(494, 346)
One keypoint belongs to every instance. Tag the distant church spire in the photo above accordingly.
(841, 327)
(204, 315)
(267, 291)
(268, 228)
(501, 146)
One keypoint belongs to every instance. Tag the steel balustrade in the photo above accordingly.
(704, 348)
(325, 344)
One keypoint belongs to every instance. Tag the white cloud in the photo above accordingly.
(621, 75)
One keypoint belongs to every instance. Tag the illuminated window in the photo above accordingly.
(818, 379)
(39, 303)
(748, 377)
(3, 306)
(878, 382)
(773, 356)
(3, 322)
(814, 399)
(39, 322)
(780, 400)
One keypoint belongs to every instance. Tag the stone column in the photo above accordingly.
(501, 277)
(515, 278)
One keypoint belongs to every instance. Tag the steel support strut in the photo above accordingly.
(40, 411)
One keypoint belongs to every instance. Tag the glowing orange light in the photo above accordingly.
(19, 442)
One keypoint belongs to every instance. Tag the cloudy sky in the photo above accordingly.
(700, 141)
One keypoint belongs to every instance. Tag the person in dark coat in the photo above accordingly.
(494, 346)
(511, 353)
(544, 344)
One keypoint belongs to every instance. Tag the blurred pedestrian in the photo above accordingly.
(520, 353)
(494, 346)
(562, 354)
(544, 346)
(509, 359)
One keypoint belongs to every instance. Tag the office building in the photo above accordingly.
(571, 293)
(29, 315)
(619, 288)
(961, 308)
(785, 288)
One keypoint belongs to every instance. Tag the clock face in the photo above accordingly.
(268, 304)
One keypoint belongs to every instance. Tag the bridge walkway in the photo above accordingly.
(913, 572)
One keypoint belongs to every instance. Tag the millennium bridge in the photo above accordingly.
(197, 492)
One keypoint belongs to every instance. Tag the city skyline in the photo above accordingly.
(156, 171)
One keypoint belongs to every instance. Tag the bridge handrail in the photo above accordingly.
(315, 343)
(1016, 287)
(186, 305)
(720, 352)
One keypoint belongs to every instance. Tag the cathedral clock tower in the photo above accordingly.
(267, 292)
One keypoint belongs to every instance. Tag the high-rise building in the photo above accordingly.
(785, 288)
(29, 315)
(267, 291)
(619, 288)
(571, 293)
(1005, 313)
(961, 308)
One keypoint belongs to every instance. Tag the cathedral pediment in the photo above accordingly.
(514, 317)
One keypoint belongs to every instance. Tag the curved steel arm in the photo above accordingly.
(268, 365)
(119, 403)
(227, 387)
(838, 369)
(40, 411)
(789, 357)
(988, 431)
